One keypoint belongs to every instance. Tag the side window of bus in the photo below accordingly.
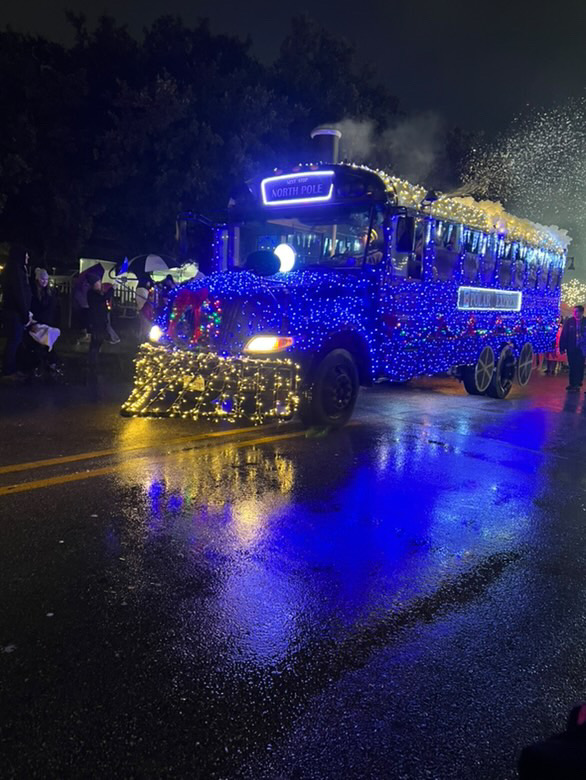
(531, 268)
(405, 234)
(518, 266)
(543, 267)
(403, 251)
(403, 244)
(471, 258)
(488, 259)
(556, 271)
(447, 250)
(375, 241)
(504, 261)
(415, 267)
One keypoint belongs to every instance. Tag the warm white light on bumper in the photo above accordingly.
(155, 334)
(263, 344)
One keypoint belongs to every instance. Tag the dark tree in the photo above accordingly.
(43, 193)
(320, 78)
(103, 143)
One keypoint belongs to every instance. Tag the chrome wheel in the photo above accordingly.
(477, 377)
(525, 364)
(484, 369)
(504, 373)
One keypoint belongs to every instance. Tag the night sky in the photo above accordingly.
(478, 64)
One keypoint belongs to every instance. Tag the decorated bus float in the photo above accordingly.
(328, 277)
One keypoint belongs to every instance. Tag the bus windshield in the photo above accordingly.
(317, 239)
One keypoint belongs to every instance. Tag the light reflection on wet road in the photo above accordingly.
(402, 598)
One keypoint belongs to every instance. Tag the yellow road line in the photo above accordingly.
(23, 487)
(38, 464)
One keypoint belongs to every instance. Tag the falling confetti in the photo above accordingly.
(538, 169)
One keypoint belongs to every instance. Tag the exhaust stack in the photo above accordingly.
(327, 141)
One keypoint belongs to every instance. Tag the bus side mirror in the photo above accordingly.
(263, 262)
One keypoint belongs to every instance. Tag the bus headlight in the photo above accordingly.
(268, 344)
(155, 333)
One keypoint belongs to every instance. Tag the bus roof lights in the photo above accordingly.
(484, 215)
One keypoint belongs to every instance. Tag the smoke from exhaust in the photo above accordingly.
(414, 149)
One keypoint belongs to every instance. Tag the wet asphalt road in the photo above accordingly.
(405, 598)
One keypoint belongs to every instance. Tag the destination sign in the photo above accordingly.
(298, 188)
(488, 299)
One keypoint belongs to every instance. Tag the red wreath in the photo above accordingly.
(187, 299)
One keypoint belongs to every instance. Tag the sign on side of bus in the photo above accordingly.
(298, 188)
(488, 299)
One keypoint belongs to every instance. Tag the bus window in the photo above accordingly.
(408, 247)
(405, 234)
(542, 269)
(447, 246)
(403, 244)
(531, 268)
(472, 240)
(556, 271)
(374, 240)
(488, 260)
(553, 277)
(504, 263)
(415, 266)
(471, 261)
(518, 267)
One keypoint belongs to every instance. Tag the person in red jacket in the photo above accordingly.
(573, 341)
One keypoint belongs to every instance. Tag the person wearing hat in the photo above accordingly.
(42, 332)
(145, 306)
(43, 304)
(16, 303)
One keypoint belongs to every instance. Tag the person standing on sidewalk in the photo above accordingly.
(145, 306)
(98, 321)
(16, 304)
(573, 341)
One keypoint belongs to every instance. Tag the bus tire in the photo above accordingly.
(504, 373)
(330, 396)
(525, 364)
(477, 378)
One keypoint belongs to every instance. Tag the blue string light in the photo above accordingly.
(402, 327)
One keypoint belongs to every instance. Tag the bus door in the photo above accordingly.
(400, 309)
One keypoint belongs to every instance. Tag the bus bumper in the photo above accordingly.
(171, 382)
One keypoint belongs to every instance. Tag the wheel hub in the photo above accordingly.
(484, 369)
(338, 390)
(525, 364)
